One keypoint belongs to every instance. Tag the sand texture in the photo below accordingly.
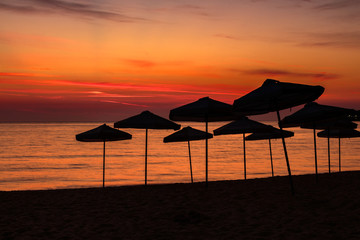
(251, 209)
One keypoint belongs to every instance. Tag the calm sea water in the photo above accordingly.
(47, 156)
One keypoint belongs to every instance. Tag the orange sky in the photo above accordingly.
(106, 60)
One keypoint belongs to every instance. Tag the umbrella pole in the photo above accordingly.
(146, 145)
(272, 167)
(206, 150)
(328, 139)
(339, 156)
(104, 166)
(285, 152)
(316, 167)
(191, 174)
(244, 156)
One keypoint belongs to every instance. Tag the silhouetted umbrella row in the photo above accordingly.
(272, 96)
(339, 133)
(316, 116)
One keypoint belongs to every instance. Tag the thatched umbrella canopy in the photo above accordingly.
(103, 134)
(146, 120)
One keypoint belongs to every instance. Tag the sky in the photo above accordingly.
(104, 60)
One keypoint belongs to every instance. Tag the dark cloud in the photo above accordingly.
(20, 9)
(339, 4)
(65, 7)
(320, 76)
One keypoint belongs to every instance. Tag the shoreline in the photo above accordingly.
(261, 208)
(149, 185)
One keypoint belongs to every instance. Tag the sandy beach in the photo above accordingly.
(251, 209)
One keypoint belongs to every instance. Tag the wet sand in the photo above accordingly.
(251, 209)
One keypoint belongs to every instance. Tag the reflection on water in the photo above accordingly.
(46, 156)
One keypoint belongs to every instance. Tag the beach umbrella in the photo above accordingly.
(330, 125)
(316, 116)
(242, 126)
(103, 133)
(274, 95)
(203, 110)
(339, 133)
(146, 120)
(188, 134)
(273, 133)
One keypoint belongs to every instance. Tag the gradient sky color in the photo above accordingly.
(105, 60)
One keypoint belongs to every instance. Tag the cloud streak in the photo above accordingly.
(64, 7)
(333, 39)
(339, 4)
(321, 76)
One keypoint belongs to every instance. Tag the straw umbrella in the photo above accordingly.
(242, 126)
(203, 110)
(339, 133)
(273, 96)
(330, 125)
(188, 134)
(316, 116)
(146, 120)
(273, 133)
(103, 133)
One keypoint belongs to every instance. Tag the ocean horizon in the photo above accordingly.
(39, 156)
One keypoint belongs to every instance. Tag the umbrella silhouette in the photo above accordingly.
(316, 116)
(146, 120)
(242, 126)
(203, 110)
(330, 125)
(188, 134)
(274, 95)
(273, 133)
(339, 133)
(103, 133)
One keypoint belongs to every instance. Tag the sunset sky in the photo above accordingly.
(105, 60)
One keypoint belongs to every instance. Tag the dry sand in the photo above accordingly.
(251, 209)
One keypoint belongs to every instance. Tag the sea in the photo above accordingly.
(41, 156)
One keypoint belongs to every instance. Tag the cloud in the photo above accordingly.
(142, 63)
(65, 7)
(320, 76)
(139, 63)
(194, 9)
(12, 74)
(339, 4)
(20, 9)
(185, 8)
(220, 35)
(133, 104)
(333, 39)
(124, 103)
